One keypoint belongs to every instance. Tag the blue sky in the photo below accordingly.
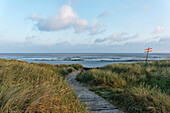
(83, 26)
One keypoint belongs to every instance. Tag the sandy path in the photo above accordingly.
(95, 103)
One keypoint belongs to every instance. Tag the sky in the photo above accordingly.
(84, 26)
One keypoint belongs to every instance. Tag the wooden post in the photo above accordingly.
(147, 57)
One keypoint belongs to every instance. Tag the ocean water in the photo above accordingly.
(89, 60)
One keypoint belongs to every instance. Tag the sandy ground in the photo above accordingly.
(95, 103)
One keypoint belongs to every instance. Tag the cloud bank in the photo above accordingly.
(117, 39)
(160, 45)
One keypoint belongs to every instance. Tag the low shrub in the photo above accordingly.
(69, 70)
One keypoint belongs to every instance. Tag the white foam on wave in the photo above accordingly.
(91, 58)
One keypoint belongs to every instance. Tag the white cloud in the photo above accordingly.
(158, 30)
(67, 13)
(96, 27)
(80, 26)
(65, 19)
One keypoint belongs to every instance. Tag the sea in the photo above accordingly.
(88, 60)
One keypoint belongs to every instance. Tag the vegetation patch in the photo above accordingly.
(136, 87)
(36, 88)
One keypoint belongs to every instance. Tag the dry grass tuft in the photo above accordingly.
(35, 88)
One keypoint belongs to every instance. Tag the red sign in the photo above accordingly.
(148, 50)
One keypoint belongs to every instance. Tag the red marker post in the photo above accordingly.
(147, 51)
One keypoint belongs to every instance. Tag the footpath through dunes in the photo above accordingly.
(93, 102)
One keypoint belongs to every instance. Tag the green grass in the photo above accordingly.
(62, 69)
(37, 88)
(136, 87)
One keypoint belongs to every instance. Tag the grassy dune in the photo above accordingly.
(36, 88)
(136, 87)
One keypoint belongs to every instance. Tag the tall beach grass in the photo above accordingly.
(136, 87)
(36, 88)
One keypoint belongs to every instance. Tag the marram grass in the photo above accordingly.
(135, 88)
(36, 88)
